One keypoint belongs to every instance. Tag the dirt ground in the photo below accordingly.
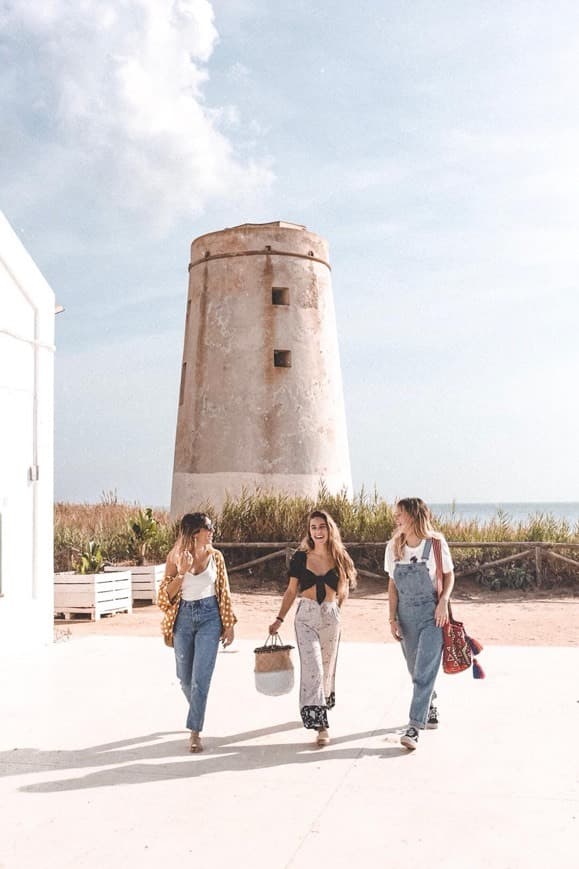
(504, 618)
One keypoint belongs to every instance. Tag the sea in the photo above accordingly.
(514, 510)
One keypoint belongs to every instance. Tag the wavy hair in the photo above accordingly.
(337, 550)
(421, 518)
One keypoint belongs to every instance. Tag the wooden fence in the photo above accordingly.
(538, 551)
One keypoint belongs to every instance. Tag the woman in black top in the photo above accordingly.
(321, 572)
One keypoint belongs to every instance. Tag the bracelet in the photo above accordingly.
(392, 620)
(279, 619)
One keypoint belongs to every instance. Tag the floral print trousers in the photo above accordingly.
(318, 634)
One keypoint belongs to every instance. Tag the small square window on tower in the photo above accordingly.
(282, 358)
(280, 295)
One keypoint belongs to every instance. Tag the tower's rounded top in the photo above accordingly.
(279, 235)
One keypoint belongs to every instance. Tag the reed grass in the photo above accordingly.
(260, 516)
(107, 523)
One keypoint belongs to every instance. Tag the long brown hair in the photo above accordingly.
(337, 550)
(421, 521)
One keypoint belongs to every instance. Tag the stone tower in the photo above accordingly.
(261, 399)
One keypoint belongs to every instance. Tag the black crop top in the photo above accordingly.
(306, 578)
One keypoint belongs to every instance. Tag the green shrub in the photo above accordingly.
(91, 559)
(143, 529)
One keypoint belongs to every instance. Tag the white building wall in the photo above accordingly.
(26, 447)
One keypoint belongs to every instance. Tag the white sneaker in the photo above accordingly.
(409, 738)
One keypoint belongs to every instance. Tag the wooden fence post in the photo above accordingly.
(539, 565)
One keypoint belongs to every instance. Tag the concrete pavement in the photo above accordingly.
(95, 771)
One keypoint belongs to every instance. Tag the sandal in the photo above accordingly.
(195, 744)
(323, 737)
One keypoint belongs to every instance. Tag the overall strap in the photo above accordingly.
(437, 546)
(427, 548)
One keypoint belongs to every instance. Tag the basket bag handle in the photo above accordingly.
(437, 548)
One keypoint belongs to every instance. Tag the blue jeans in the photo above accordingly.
(421, 638)
(196, 640)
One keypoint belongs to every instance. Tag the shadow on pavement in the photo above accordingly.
(154, 758)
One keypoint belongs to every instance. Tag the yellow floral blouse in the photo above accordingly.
(170, 607)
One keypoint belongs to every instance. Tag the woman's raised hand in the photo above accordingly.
(184, 562)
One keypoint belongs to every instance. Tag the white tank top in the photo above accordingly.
(198, 585)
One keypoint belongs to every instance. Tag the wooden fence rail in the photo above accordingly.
(529, 548)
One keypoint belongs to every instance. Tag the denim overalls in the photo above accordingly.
(421, 639)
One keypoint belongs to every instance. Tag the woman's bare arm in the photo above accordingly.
(393, 610)
(286, 604)
(175, 571)
(441, 611)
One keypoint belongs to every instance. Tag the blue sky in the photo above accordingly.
(433, 144)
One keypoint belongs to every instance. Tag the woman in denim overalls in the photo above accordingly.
(416, 617)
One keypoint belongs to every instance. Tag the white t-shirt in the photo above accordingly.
(415, 552)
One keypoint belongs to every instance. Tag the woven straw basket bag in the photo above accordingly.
(274, 670)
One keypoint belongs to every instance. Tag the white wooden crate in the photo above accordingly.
(145, 580)
(93, 593)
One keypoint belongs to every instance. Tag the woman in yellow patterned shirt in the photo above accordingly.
(196, 603)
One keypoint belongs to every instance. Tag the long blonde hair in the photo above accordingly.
(344, 564)
(421, 522)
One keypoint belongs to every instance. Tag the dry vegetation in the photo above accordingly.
(109, 524)
(262, 516)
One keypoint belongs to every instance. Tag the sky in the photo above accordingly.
(433, 144)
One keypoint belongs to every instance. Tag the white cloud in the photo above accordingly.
(122, 85)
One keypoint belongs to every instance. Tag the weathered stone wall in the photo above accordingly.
(242, 420)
